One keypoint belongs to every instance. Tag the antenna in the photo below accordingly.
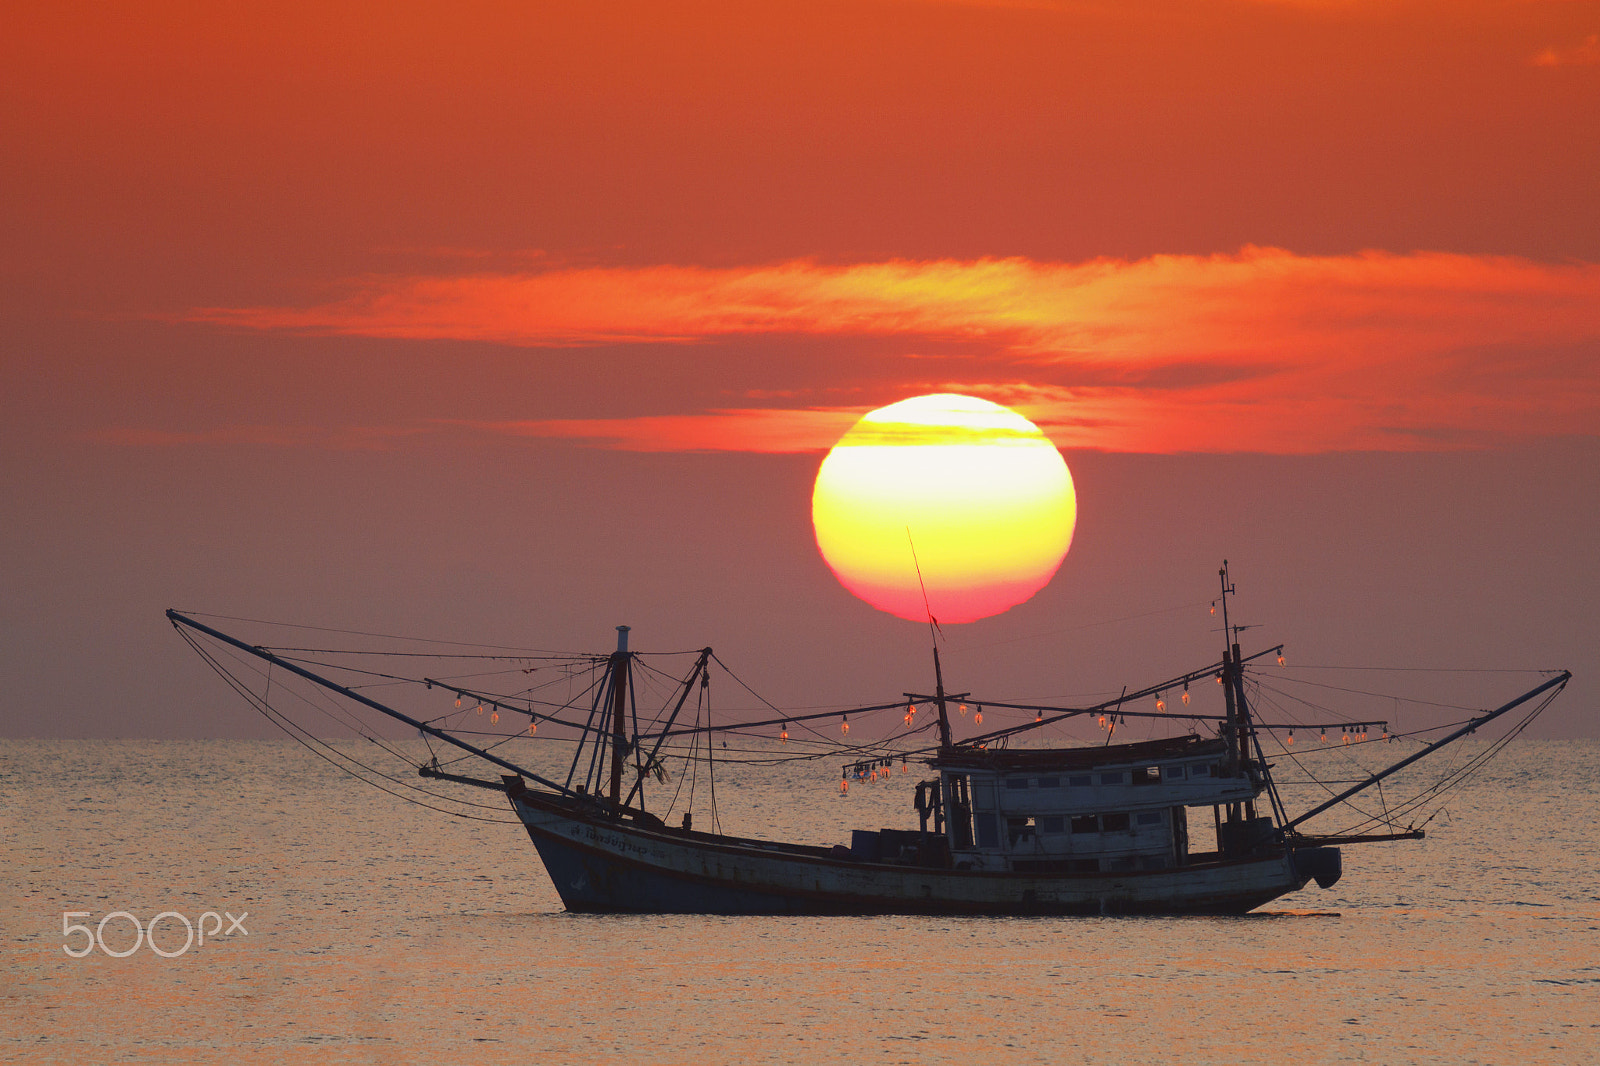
(1228, 636)
(933, 623)
(934, 633)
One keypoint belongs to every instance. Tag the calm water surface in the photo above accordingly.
(382, 932)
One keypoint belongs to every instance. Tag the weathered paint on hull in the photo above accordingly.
(602, 865)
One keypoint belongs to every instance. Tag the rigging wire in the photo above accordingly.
(1425, 669)
(327, 752)
(653, 682)
(1381, 695)
(317, 699)
(333, 712)
(1458, 777)
(1454, 777)
(530, 652)
(711, 750)
(1083, 626)
(365, 633)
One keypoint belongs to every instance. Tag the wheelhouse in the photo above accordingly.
(1083, 810)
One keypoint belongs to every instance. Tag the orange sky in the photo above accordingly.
(238, 240)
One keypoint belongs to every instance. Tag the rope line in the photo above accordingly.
(657, 689)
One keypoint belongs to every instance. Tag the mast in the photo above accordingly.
(933, 637)
(1230, 666)
(619, 726)
(938, 680)
(697, 674)
(1237, 730)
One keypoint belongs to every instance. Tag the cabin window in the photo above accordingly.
(1052, 823)
(1114, 823)
(983, 794)
(1125, 862)
(1019, 829)
(1085, 823)
(1016, 782)
(1080, 781)
(1049, 782)
(960, 800)
(1147, 775)
(988, 834)
(1112, 778)
(1149, 817)
(1174, 772)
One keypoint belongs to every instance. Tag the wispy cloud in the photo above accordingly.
(339, 438)
(771, 430)
(1584, 53)
(1261, 304)
(1263, 350)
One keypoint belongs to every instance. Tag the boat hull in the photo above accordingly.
(599, 864)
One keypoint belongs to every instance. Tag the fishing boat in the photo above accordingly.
(1184, 824)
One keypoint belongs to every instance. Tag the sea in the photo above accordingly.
(345, 925)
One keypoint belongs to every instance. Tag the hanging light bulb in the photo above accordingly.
(1102, 721)
(458, 701)
(1324, 736)
(495, 718)
(1185, 696)
(1213, 607)
(1161, 704)
(1280, 658)
(1291, 737)
(784, 736)
(873, 776)
(844, 724)
(962, 707)
(903, 767)
(844, 785)
(1219, 679)
(977, 715)
(533, 727)
(1038, 716)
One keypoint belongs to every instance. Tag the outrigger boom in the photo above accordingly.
(1471, 727)
(333, 686)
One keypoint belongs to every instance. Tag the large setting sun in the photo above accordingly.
(983, 495)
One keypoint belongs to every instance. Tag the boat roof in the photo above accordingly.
(1083, 758)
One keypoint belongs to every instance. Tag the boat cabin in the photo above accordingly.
(1080, 810)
